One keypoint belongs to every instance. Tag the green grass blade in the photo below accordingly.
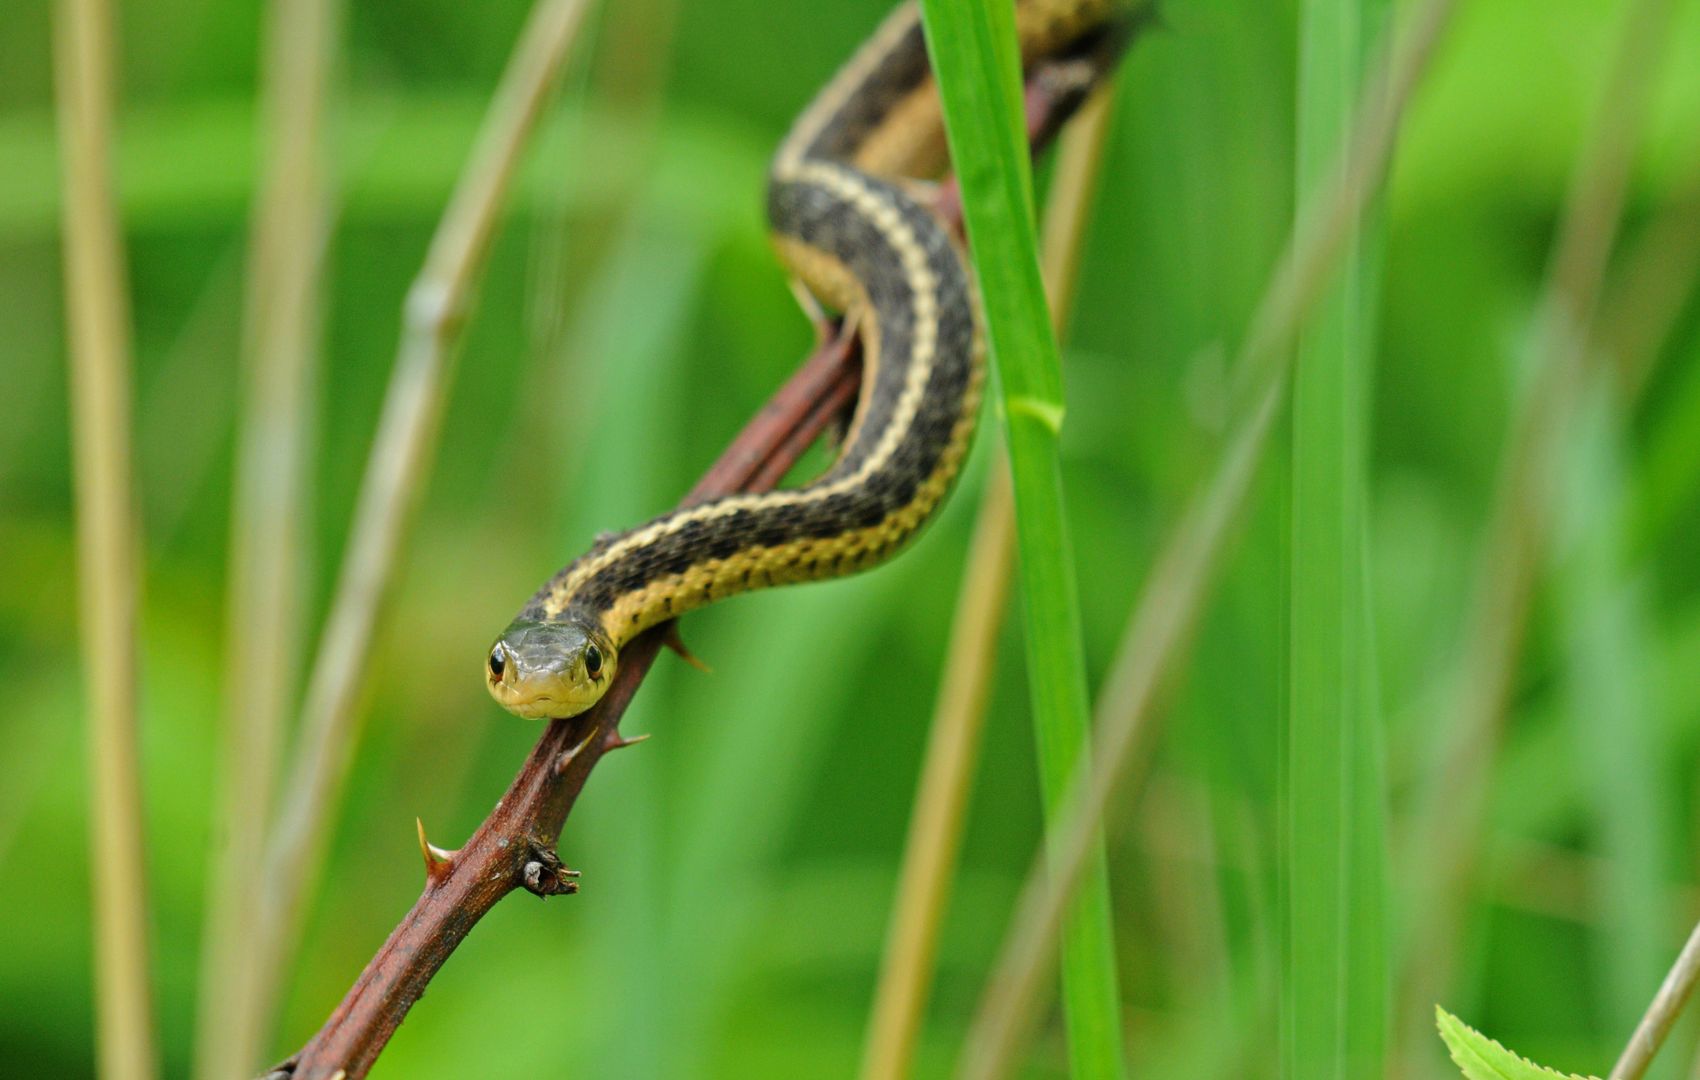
(1334, 985)
(973, 51)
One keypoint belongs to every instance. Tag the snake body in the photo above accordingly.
(850, 221)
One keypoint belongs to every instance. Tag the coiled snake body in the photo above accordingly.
(850, 221)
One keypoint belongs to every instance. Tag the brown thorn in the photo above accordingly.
(852, 324)
(620, 742)
(826, 327)
(924, 192)
(437, 861)
(566, 758)
(673, 641)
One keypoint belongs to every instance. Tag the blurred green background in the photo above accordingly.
(738, 867)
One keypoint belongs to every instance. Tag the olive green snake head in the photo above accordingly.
(549, 670)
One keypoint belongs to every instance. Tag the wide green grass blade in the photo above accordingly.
(1335, 975)
(974, 54)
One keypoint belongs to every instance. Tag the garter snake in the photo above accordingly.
(850, 220)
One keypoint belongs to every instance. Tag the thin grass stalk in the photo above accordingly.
(401, 454)
(1648, 295)
(1645, 297)
(1162, 622)
(953, 744)
(1643, 306)
(1334, 873)
(98, 315)
(947, 772)
(977, 64)
(267, 519)
(1606, 629)
(1670, 466)
(1068, 207)
(1661, 1014)
(1523, 508)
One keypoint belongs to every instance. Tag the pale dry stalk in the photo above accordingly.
(1661, 1015)
(286, 246)
(97, 311)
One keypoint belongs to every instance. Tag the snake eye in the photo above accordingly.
(498, 661)
(592, 661)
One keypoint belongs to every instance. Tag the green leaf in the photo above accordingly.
(1483, 1059)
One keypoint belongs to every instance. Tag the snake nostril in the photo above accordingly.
(498, 662)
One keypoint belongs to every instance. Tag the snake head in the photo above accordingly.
(549, 670)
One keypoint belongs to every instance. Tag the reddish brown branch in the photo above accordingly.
(515, 846)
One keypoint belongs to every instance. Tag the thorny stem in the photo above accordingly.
(514, 847)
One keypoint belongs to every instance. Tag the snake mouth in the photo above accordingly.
(540, 704)
(540, 707)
